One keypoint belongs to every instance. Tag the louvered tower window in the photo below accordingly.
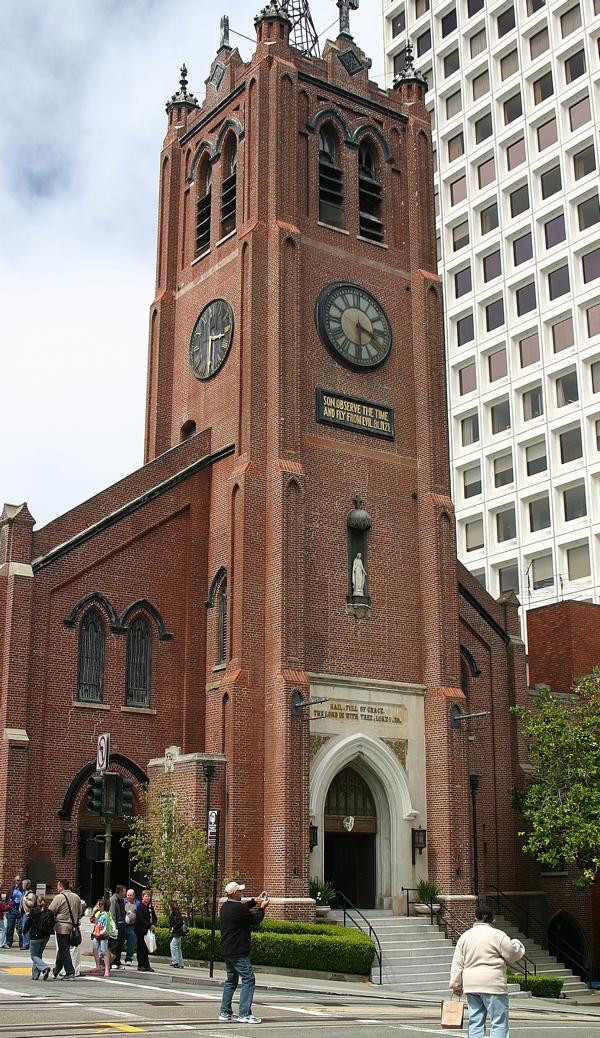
(229, 189)
(204, 209)
(139, 658)
(369, 195)
(222, 624)
(331, 196)
(90, 684)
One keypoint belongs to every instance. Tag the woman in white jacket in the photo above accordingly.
(479, 970)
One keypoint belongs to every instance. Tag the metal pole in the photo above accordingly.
(474, 784)
(213, 921)
(107, 852)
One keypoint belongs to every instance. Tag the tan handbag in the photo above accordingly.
(452, 1014)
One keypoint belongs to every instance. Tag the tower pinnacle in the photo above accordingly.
(182, 96)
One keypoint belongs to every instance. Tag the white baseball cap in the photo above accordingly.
(233, 887)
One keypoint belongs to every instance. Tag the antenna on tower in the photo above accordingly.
(303, 34)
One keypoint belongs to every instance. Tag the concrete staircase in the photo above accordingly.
(416, 955)
(546, 964)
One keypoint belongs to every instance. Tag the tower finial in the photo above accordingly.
(345, 6)
(225, 32)
(182, 96)
(409, 73)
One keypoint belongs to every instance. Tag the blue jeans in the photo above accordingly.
(236, 968)
(131, 943)
(25, 938)
(482, 1006)
(176, 952)
(12, 920)
(36, 950)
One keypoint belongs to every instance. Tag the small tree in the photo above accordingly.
(561, 802)
(171, 851)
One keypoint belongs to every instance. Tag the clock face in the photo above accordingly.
(211, 338)
(354, 326)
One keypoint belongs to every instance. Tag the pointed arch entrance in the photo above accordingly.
(371, 778)
(350, 830)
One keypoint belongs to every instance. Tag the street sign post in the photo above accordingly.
(213, 841)
(103, 752)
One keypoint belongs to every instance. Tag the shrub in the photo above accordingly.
(541, 986)
(302, 946)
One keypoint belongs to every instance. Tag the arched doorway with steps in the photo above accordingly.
(358, 777)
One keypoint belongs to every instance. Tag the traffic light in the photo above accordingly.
(124, 796)
(95, 792)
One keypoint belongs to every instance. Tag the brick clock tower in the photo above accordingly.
(298, 319)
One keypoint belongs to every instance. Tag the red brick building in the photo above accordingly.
(291, 533)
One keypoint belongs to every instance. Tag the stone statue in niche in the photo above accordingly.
(359, 576)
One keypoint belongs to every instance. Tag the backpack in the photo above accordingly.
(45, 924)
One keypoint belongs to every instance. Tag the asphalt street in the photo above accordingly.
(166, 1003)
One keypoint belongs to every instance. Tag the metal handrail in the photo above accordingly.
(412, 890)
(454, 927)
(518, 912)
(372, 934)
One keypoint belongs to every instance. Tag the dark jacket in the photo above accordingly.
(238, 919)
(36, 920)
(145, 918)
(176, 923)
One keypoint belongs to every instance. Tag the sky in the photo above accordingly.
(83, 86)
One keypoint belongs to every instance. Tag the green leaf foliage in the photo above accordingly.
(561, 803)
(171, 851)
(302, 946)
(540, 985)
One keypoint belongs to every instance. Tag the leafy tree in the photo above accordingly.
(561, 802)
(171, 851)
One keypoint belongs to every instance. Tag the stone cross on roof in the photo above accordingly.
(345, 6)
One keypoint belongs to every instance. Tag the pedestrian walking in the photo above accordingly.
(13, 916)
(38, 925)
(66, 908)
(27, 903)
(5, 907)
(131, 906)
(117, 911)
(145, 922)
(177, 928)
(479, 970)
(99, 941)
(238, 919)
(106, 935)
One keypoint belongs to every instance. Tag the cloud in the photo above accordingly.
(84, 84)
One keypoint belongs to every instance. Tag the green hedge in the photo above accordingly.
(302, 946)
(540, 985)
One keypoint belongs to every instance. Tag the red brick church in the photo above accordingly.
(290, 536)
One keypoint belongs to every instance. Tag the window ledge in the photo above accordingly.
(332, 227)
(369, 241)
(227, 237)
(137, 710)
(219, 668)
(90, 706)
(202, 256)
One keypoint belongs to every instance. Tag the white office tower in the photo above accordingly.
(514, 90)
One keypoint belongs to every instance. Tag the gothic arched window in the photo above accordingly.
(369, 194)
(90, 682)
(222, 623)
(331, 195)
(203, 211)
(229, 187)
(349, 794)
(139, 660)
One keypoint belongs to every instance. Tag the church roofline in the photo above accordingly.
(357, 99)
(483, 613)
(131, 506)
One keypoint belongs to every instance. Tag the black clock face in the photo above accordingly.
(211, 338)
(354, 326)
